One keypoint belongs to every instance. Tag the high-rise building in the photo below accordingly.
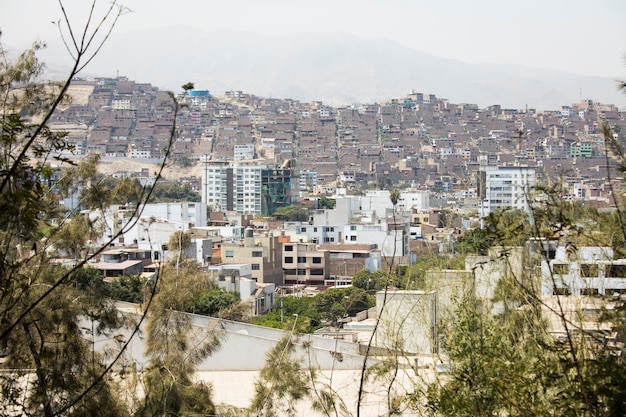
(246, 187)
(504, 187)
(276, 187)
(307, 181)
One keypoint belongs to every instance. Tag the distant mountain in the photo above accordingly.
(336, 68)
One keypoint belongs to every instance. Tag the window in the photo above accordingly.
(303, 230)
(353, 227)
(288, 259)
(257, 254)
(589, 291)
(561, 291)
(560, 269)
(301, 259)
(288, 248)
(353, 238)
(317, 260)
(229, 254)
(317, 272)
(301, 272)
(256, 267)
(617, 271)
(588, 270)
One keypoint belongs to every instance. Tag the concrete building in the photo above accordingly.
(307, 181)
(321, 234)
(345, 209)
(346, 260)
(305, 263)
(590, 271)
(505, 187)
(122, 261)
(243, 152)
(238, 278)
(246, 187)
(276, 189)
(263, 252)
(392, 240)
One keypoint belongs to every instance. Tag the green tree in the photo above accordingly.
(508, 227)
(175, 348)
(188, 87)
(309, 318)
(394, 196)
(169, 191)
(282, 382)
(475, 241)
(212, 302)
(337, 303)
(50, 316)
(49, 339)
(292, 213)
(372, 281)
(131, 289)
(327, 203)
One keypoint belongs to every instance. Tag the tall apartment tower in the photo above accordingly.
(504, 187)
(246, 187)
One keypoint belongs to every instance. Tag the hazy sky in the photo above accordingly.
(584, 37)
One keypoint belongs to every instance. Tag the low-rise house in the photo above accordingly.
(238, 278)
(264, 252)
(123, 262)
(305, 263)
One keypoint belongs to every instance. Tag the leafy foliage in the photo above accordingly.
(174, 350)
(510, 364)
(475, 241)
(50, 339)
(131, 289)
(373, 281)
(165, 192)
(212, 302)
(292, 213)
(314, 312)
(337, 303)
(327, 203)
(309, 318)
(282, 381)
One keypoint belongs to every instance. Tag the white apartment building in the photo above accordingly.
(243, 152)
(246, 187)
(391, 241)
(232, 186)
(504, 187)
(137, 153)
(307, 181)
(591, 271)
(121, 104)
(321, 234)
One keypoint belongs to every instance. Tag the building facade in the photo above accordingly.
(246, 187)
(504, 187)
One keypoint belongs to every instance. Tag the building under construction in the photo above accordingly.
(276, 188)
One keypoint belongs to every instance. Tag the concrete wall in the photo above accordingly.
(407, 321)
(245, 346)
